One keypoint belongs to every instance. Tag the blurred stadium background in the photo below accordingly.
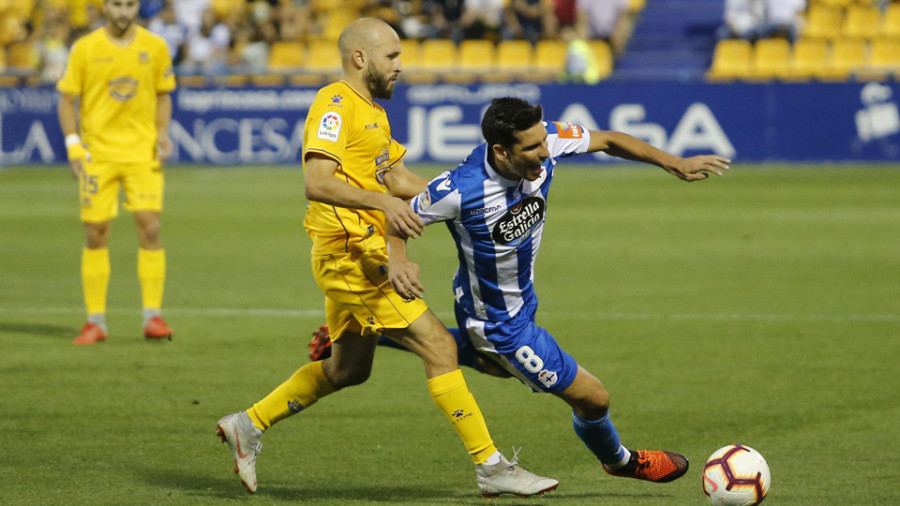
(757, 80)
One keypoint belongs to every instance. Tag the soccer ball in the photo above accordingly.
(736, 475)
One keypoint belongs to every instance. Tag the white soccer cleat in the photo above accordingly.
(243, 438)
(507, 477)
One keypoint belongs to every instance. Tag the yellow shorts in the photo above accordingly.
(358, 296)
(98, 190)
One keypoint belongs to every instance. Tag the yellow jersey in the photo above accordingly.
(118, 85)
(344, 126)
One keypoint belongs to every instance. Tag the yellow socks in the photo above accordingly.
(453, 398)
(300, 391)
(151, 267)
(95, 279)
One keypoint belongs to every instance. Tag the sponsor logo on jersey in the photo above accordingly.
(373, 126)
(568, 130)
(483, 210)
(330, 127)
(519, 220)
(143, 57)
(123, 88)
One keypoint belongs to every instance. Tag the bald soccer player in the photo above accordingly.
(356, 182)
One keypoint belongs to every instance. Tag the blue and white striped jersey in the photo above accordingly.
(497, 225)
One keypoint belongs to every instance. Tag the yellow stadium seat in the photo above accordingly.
(515, 57)
(823, 22)
(731, 60)
(884, 59)
(890, 23)
(604, 56)
(809, 59)
(438, 55)
(770, 59)
(323, 57)
(847, 57)
(286, 56)
(476, 56)
(549, 59)
(861, 22)
(22, 55)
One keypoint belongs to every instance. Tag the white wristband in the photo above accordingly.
(72, 139)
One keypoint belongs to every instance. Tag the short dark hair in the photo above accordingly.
(505, 117)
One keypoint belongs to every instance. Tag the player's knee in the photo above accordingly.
(96, 235)
(349, 377)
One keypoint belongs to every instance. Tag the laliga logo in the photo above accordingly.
(880, 117)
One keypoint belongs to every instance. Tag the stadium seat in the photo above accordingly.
(731, 60)
(848, 56)
(23, 56)
(323, 57)
(808, 60)
(286, 56)
(515, 59)
(476, 56)
(604, 56)
(770, 59)
(549, 60)
(438, 56)
(823, 22)
(861, 22)
(884, 60)
(890, 23)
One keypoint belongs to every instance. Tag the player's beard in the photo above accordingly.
(380, 85)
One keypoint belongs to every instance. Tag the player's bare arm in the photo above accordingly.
(404, 184)
(163, 116)
(322, 186)
(625, 146)
(402, 272)
(68, 121)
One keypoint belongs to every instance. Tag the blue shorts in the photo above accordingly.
(521, 347)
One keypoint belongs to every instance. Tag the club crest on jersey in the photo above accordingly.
(330, 127)
(143, 57)
(568, 130)
(519, 220)
(548, 378)
(123, 88)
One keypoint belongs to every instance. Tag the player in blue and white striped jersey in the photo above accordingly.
(495, 206)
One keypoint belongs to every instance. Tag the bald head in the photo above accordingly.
(370, 57)
(365, 34)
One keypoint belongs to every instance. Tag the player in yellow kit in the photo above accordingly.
(356, 182)
(114, 112)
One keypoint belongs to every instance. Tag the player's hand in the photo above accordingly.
(163, 147)
(404, 220)
(404, 277)
(700, 167)
(77, 166)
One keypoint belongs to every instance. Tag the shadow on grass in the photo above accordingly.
(336, 492)
(38, 329)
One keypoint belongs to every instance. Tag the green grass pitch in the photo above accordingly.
(760, 308)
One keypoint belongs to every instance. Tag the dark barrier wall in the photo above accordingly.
(440, 123)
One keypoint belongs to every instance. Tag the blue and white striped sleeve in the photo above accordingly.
(439, 202)
(566, 139)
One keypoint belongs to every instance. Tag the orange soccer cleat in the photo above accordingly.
(156, 328)
(320, 346)
(656, 466)
(91, 333)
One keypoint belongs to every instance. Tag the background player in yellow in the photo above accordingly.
(115, 92)
(355, 181)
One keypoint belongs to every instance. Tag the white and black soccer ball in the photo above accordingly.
(736, 475)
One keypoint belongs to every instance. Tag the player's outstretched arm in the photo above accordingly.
(625, 146)
(402, 272)
(322, 186)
